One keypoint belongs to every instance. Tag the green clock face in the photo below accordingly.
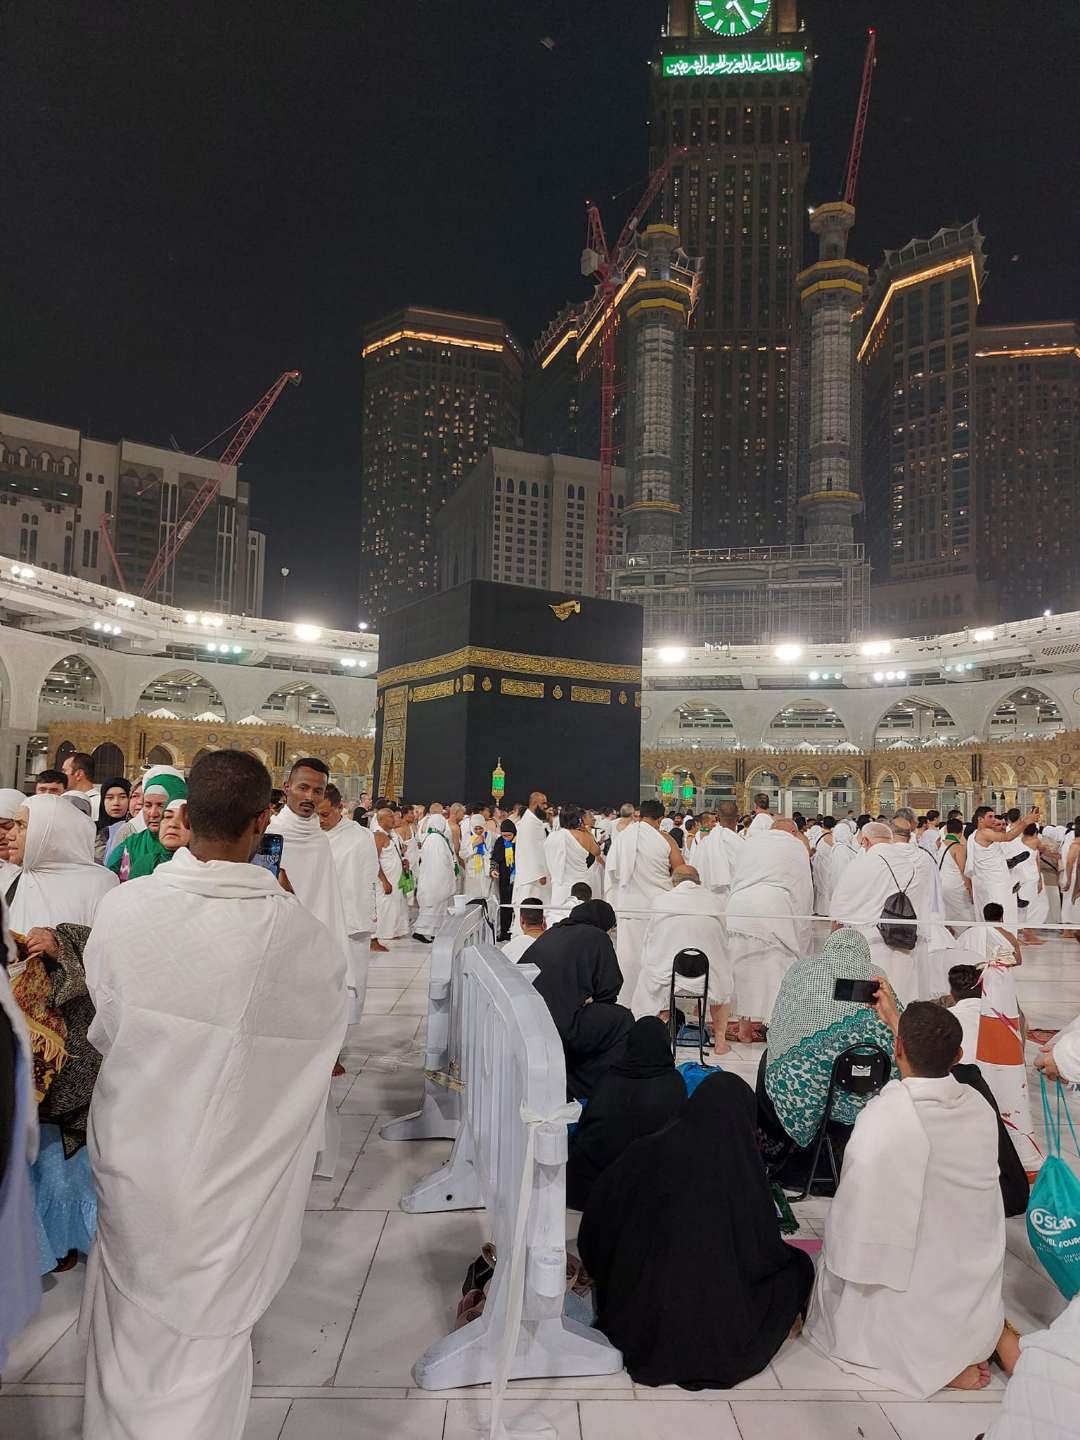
(732, 17)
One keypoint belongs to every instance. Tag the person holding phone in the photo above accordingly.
(824, 1006)
(202, 1162)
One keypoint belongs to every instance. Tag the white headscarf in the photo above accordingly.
(436, 824)
(59, 883)
(11, 802)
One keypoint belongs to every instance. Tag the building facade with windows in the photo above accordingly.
(439, 389)
(527, 520)
(58, 485)
(917, 356)
(730, 88)
(1027, 465)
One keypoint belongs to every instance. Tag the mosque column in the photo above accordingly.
(13, 743)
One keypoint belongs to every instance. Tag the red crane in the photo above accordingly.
(855, 153)
(609, 267)
(207, 492)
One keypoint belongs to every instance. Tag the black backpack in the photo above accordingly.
(898, 907)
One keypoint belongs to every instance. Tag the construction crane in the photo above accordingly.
(855, 153)
(608, 267)
(207, 492)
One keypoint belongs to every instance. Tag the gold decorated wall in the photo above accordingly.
(1002, 767)
(183, 741)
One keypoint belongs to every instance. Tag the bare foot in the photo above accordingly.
(378, 945)
(796, 1329)
(721, 1047)
(1007, 1350)
(975, 1377)
(1029, 939)
(746, 1032)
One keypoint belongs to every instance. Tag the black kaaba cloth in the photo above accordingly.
(549, 684)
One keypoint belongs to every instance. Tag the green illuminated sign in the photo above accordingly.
(733, 62)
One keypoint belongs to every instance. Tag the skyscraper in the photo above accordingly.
(440, 388)
(917, 354)
(831, 292)
(731, 83)
(1027, 465)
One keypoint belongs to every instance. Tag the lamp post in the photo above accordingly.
(284, 577)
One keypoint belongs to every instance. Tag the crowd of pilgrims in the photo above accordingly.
(167, 1045)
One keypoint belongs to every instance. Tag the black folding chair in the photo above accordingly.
(858, 1070)
(689, 965)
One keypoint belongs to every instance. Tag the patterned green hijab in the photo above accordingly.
(808, 1029)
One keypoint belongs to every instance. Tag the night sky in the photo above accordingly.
(195, 198)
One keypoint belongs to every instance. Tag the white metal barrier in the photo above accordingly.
(439, 1116)
(510, 1157)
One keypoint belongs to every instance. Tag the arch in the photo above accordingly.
(844, 790)
(699, 717)
(810, 719)
(74, 682)
(1001, 775)
(162, 754)
(1025, 713)
(186, 692)
(915, 718)
(63, 750)
(108, 761)
(302, 704)
(886, 790)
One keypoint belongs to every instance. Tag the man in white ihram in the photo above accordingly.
(531, 880)
(909, 1284)
(356, 863)
(687, 917)
(763, 817)
(771, 896)
(639, 868)
(305, 858)
(719, 852)
(217, 1041)
(858, 899)
(992, 879)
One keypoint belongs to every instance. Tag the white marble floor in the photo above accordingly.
(374, 1287)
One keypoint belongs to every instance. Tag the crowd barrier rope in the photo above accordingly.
(509, 1157)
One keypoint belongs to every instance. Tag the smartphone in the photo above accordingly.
(862, 992)
(268, 854)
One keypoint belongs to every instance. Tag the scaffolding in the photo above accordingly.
(749, 596)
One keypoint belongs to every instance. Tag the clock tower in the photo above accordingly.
(730, 83)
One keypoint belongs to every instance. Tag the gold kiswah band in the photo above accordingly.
(475, 657)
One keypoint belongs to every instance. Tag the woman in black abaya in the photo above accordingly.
(638, 1096)
(580, 982)
(693, 1201)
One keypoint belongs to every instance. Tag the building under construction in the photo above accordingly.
(66, 498)
(747, 596)
(652, 410)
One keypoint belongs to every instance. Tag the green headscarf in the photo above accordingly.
(808, 1029)
(144, 850)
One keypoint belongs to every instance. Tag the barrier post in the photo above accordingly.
(510, 1157)
(439, 1116)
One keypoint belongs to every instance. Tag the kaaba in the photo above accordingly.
(545, 685)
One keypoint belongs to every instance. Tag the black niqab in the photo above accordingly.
(674, 1211)
(637, 1097)
(580, 982)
